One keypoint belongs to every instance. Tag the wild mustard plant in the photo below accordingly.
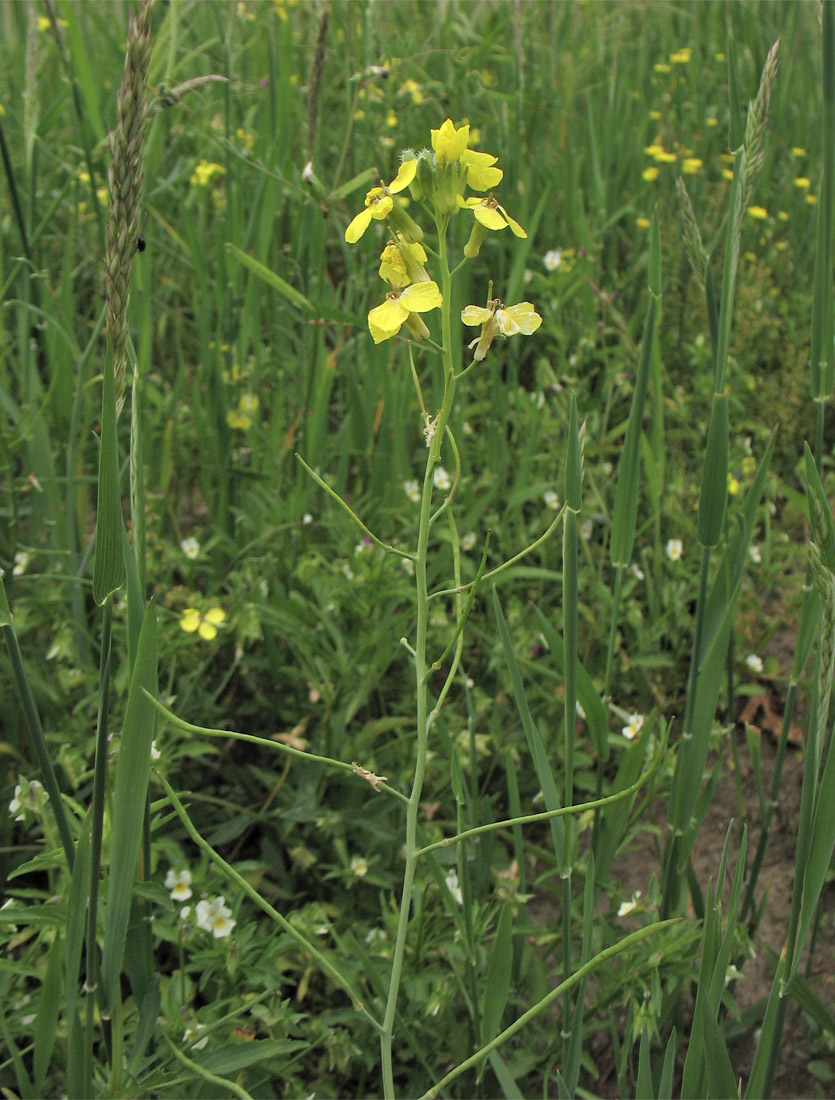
(438, 179)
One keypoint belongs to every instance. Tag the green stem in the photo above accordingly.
(97, 829)
(420, 666)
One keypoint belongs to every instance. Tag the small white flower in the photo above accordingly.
(633, 726)
(27, 796)
(675, 548)
(21, 560)
(190, 1033)
(551, 499)
(754, 554)
(552, 259)
(155, 753)
(307, 172)
(451, 880)
(468, 541)
(307, 518)
(190, 547)
(178, 884)
(213, 916)
(348, 572)
(635, 571)
(627, 906)
(754, 662)
(412, 490)
(359, 866)
(442, 479)
(186, 915)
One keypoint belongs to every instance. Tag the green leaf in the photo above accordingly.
(643, 1086)
(49, 1005)
(625, 510)
(109, 564)
(498, 977)
(295, 297)
(129, 796)
(542, 767)
(596, 717)
(719, 1074)
(713, 500)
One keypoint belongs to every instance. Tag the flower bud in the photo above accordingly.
(424, 183)
(404, 224)
(473, 245)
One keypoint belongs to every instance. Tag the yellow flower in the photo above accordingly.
(643, 223)
(402, 306)
(811, 199)
(379, 202)
(495, 320)
(412, 89)
(798, 151)
(493, 215)
(402, 263)
(727, 174)
(236, 418)
(691, 165)
(711, 121)
(661, 67)
(451, 146)
(650, 174)
(448, 143)
(204, 171)
(758, 212)
(803, 183)
(205, 625)
(681, 57)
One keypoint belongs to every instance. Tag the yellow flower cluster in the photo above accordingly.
(439, 178)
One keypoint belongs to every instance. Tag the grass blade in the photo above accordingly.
(130, 787)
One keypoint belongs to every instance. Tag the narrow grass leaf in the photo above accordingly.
(714, 493)
(497, 988)
(625, 510)
(665, 1087)
(76, 925)
(109, 565)
(644, 1089)
(146, 1025)
(537, 750)
(507, 1082)
(819, 857)
(820, 514)
(588, 695)
(129, 797)
(719, 1075)
(24, 1082)
(762, 1068)
(295, 297)
(46, 1023)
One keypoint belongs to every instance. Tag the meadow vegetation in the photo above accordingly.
(375, 638)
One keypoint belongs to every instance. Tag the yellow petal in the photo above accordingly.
(207, 632)
(521, 318)
(358, 226)
(449, 143)
(420, 297)
(514, 226)
(475, 315)
(389, 316)
(405, 175)
(377, 334)
(481, 176)
(215, 615)
(489, 217)
(393, 266)
(190, 620)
